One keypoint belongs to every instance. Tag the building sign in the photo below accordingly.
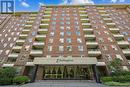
(7, 6)
(65, 61)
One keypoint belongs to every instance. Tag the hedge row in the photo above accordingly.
(125, 78)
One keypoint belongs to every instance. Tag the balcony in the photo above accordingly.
(13, 55)
(123, 43)
(86, 20)
(100, 8)
(105, 15)
(32, 18)
(29, 64)
(25, 31)
(102, 11)
(39, 45)
(111, 25)
(33, 15)
(88, 30)
(90, 36)
(40, 37)
(47, 12)
(91, 44)
(94, 52)
(8, 65)
(82, 12)
(48, 9)
(81, 9)
(118, 36)
(23, 36)
(46, 16)
(101, 64)
(86, 24)
(46, 20)
(107, 19)
(20, 42)
(17, 48)
(44, 26)
(28, 26)
(114, 30)
(29, 22)
(126, 52)
(42, 31)
(36, 53)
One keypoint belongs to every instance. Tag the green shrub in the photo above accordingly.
(21, 80)
(125, 78)
(106, 79)
(6, 75)
(117, 84)
(5, 81)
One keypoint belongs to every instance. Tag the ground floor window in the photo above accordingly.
(68, 72)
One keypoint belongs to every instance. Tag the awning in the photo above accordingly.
(65, 61)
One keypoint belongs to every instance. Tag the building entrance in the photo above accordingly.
(68, 72)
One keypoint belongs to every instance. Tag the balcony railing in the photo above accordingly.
(36, 53)
(89, 36)
(92, 44)
(94, 52)
(42, 31)
(13, 55)
(20, 42)
(23, 36)
(123, 43)
(126, 51)
(118, 36)
(114, 30)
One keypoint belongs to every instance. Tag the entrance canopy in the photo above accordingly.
(65, 61)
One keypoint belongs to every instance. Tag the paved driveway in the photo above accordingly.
(62, 83)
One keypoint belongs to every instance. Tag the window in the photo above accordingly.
(49, 48)
(62, 34)
(101, 40)
(52, 34)
(68, 33)
(53, 23)
(78, 33)
(114, 47)
(125, 33)
(69, 48)
(50, 40)
(110, 39)
(68, 40)
(106, 32)
(68, 27)
(80, 48)
(68, 23)
(61, 40)
(104, 47)
(67, 18)
(79, 40)
(61, 48)
(53, 18)
(128, 39)
(108, 57)
(62, 28)
(61, 23)
(119, 57)
(76, 22)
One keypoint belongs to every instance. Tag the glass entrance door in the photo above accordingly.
(67, 72)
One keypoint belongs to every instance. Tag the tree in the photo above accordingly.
(114, 66)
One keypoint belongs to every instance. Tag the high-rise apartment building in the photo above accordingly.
(66, 42)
